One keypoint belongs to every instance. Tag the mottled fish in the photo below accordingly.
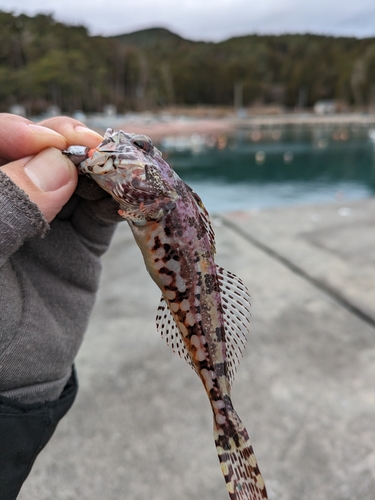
(204, 310)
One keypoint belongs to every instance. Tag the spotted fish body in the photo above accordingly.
(204, 310)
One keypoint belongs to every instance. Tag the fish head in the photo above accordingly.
(131, 169)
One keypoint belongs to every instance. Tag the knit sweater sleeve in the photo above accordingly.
(49, 276)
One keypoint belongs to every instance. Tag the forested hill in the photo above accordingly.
(44, 62)
(149, 38)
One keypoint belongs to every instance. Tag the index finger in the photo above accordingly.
(74, 131)
(20, 137)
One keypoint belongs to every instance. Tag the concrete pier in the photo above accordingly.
(141, 428)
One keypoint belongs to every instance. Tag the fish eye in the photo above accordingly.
(144, 145)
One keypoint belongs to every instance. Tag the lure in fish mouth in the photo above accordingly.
(204, 310)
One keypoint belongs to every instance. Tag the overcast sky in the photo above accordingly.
(210, 20)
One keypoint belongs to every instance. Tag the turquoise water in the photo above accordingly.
(276, 167)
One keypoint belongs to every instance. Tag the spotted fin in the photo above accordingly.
(168, 329)
(235, 299)
(236, 314)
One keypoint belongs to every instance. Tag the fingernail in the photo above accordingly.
(44, 130)
(87, 131)
(50, 170)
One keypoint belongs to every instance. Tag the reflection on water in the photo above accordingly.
(276, 167)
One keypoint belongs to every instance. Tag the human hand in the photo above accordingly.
(31, 156)
(47, 284)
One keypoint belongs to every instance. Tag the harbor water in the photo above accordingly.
(262, 168)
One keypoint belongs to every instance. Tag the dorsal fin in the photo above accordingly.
(205, 218)
(235, 299)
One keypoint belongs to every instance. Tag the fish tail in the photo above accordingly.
(238, 463)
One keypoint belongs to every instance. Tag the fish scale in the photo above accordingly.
(204, 310)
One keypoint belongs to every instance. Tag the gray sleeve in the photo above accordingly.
(48, 281)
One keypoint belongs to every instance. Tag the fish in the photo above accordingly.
(204, 311)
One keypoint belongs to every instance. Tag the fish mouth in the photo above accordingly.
(105, 162)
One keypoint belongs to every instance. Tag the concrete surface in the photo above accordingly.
(142, 428)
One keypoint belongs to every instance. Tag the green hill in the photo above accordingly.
(44, 62)
(150, 37)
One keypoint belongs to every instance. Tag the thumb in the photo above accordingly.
(48, 178)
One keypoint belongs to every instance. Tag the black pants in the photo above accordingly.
(24, 431)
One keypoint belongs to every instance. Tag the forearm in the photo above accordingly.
(48, 281)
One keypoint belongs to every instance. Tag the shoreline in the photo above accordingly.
(158, 126)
